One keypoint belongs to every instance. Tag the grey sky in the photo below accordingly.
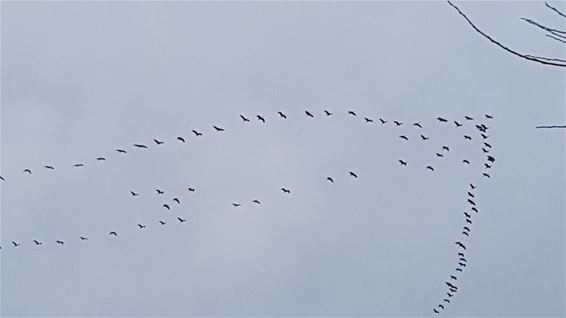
(81, 79)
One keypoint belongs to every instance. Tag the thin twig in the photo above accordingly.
(557, 39)
(554, 9)
(527, 57)
(554, 126)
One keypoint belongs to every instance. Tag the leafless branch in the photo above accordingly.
(556, 38)
(554, 126)
(558, 33)
(554, 9)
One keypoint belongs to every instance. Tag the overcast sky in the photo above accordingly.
(82, 79)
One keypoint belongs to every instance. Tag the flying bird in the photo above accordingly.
(446, 300)
(16, 244)
(159, 191)
(60, 242)
(445, 148)
(471, 194)
(181, 139)
(177, 200)
(383, 121)
(140, 146)
(488, 116)
(418, 125)
(487, 145)
(461, 254)
(113, 233)
(484, 150)
(487, 166)
(467, 214)
(328, 113)
(484, 136)
(439, 155)
(468, 118)
(197, 134)
(462, 264)
(260, 118)
(141, 226)
(236, 204)
(162, 222)
(287, 191)
(449, 295)
(121, 151)
(490, 159)
(353, 174)
(430, 168)
(466, 161)
(398, 123)
(49, 167)
(244, 119)
(472, 186)
(28, 171)
(435, 311)
(282, 115)
(256, 201)
(181, 220)
(309, 113)
(100, 159)
(486, 175)
(368, 120)
(2, 178)
(466, 228)
(467, 137)
(457, 124)
(352, 113)
(441, 306)
(453, 277)
(83, 238)
(37, 242)
(330, 179)
(466, 233)
(134, 194)
(461, 245)
(474, 209)
(404, 137)
(167, 206)
(471, 202)
(77, 165)
(217, 128)
(191, 189)
(423, 137)
(442, 120)
(158, 142)
(403, 163)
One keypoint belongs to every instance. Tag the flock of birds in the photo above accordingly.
(461, 244)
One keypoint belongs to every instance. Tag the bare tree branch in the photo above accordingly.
(553, 31)
(554, 126)
(556, 38)
(527, 57)
(554, 9)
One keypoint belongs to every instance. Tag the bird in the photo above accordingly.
(463, 259)
(309, 114)
(181, 139)
(484, 136)
(404, 137)
(490, 159)
(260, 118)
(445, 148)
(177, 200)
(450, 285)
(351, 112)
(37, 242)
(28, 171)
(462, 264)
(191, 189)
(487, 145)
(487, 166)
(100, 159)
(460, 244)
(368, 120)
(287, 191)
(466, 161)
(49, 167)
(435, 311)
(453, 277)
(472, 186)
(121, 151)
(418, 125)
(330, 179)
(457, 124)
(398, 123)
(353, 174)
(244, 119)
(430, 168)
(403, 163)
(328, 113)
(484, 150)
(383, 121)
(441, 306)
(2, 178)
(217, 128)
(467, 214)
(134, 194)
(159, 191)
(113, 233)
(78, 165)
(449, 295)
(256, 201)
(197, 134)
(461, 254)
(486, 175)
(158, 142)
(140, 146)
(236, 204)
(282, 115)
(166, 206)
(467, 137)
(458, 269)
(59, 242)
(466, 233)
(468, 118)
(181, 220)
(488, 116)
(141, 226)
(162, 222)
(83, 238)
(442, 120)
(471, 194)
(470, 201)
(446, 300)
(424, 138)
(439, 155)
(474, 209)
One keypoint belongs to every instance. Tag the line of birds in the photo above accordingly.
(261, 118)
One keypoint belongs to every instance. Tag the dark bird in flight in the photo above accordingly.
(159, 191)
(158, 142)
(287, 191)
(113, 233)
(244, 119)
(435, 311)
(83, 238)
(467, 137)
(328, 113)
(467, 215)
(459, 270)
(368, 120)
(446, 300)
(191, 189)
(490, 159)
(141, 226)
(487, 166)
(352, 113)
(162, 222)
(472, 186)
(442, 120)
(134, 194)
(309, 113)
(486, 175)
(256, 201)
(27, 171)
(60, 242)
(484, 136)
(397, 123)
(466, 233)
(471, 194)
(484, 150)
(77, 165)
(418, 125)
(449, 295)
(445, 148)
(457, 124)
(461, 245)
(466, 228)
(441, 306)
(49, 167)
(181, 139)
(100, 159)
(488, 116)
(383, 121)
(197, 134)
(236, 204)
(439, 155)
(140, 146)
(218, 128)
(449, 284)
(466, 161)
(453, 277)
(487, 145)
(260, 118)
(461, 254)
(330, 179)
(430, 168)
(423, 137)
(474, 209)
(16, 244)
(181, 220)
(463, 259)
(353, 174)
(37, 242)
(282, 115)
(403, 137)
(2, 178)
(177, 200)
(468, 118)
(462, 264)
(121, 151)
(167, 206)
(403, 163)
(471, 202)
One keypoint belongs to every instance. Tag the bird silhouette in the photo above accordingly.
(484, 136)
(487, 166)
(383, 121)
(101, 159)
(461, 254)
(162, 222)
(490, 159)
(445, 148)
(256, 201)
(282, 115)
(197, 134)
(2, 178)
(403, 163)
(121, 151)
(465, 233)
(167, 206)
(442, 120)
(424, 138)
(462, 264)
(244, 119)
(37, 242)
(83, 238)
(49, 167)
(418, 125)
(435, 311)
(471, 202)
(446, 300)
(439, 155)
(466, 228)
(487, 145)
(466, 161)
(28, 171)
(218, 128)
(353, 174)
(140, 146)
(287, 191)
(457, 124)
(469, 221)
(474, 209)
(159, 191)
(158, 142)
(134, 194)
(488, 116)
(463, 259)
(181, 220)
(467, 214)
(404, 137)
(441, 306)
(467, 137)
(177, 200)
(113, 233)
(260, 118)
(59, 242)
(78, 165)
(181, 139)
(330, 179)
(141, 226)
(430, 168)
(468, 118)
(368, 120)
(486, 175)
(236, 204)
(458, 269)
(328, 113)
(398, 123)
(191, 189)
(309, 114)
(461, 245)
(471, 194)
(449, 295)
(472, 186)
(352, 113)
(484, 150)
(453, 277)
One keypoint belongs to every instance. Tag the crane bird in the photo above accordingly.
(134, 194)
(113, 233)
(484, 150)
(59, 242)
(460, 245)
(181, 139)
(424, 138)
(487, 116)
(37, 242)
(383, 121)
(140, 146)
(83, 238)
(330, 179)
(2, 178)
(467, 137)
(430, 168)
(474, 209)
(466, 161)
(16, 244)
(457, 124)
(49, 167)
(236, 204)
(218, 128)
(445, 148)
(471, 194)
(166, 206)
(100, 159)
(121, 151)
(466, 233)
(191, 189)
(162, 222)
(466, 228)
(487, 145)
(158, 142)
(141, 226)
(441, 120)
(484, 136)
(486, 175)
(244, 119)
(282, 115)
(398, 123)
(177, 200)
(439, 155)
(256, 201)
(78, 165)
(468, 118)
(368, 120)
(435, 311)
(351, 112)
(453, 277)
(328, 113)
(260, 118)
(418, 125)
(28, 171)
(309, 114)
(470, 201)
(286, 191)
(490, 159)
(467, 215)
(181, 220)
(469, 221)
(487, 166)
(197, 134)
(472, 186)
(403, 163)
(353, 174)
(159, 191)
(404, 137)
